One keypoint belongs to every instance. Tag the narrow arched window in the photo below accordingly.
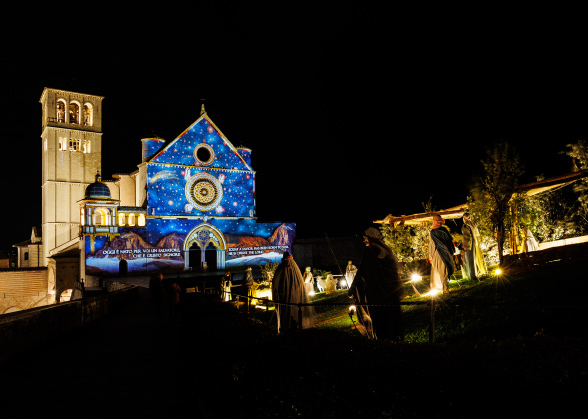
(60, 111)
(88, 114)
(132, 220)
(74, 113)
(141, 220)
(121, 220)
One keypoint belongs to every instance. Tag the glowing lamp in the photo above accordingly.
(416, 278)
(498, 271)
(433, 292)
(343, 283)
(311, 293)
(351, 312)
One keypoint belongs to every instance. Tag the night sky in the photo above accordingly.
(351, 114)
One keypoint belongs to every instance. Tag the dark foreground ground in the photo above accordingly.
(215, 363)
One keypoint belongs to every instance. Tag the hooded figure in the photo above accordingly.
(529, 242)
(474, 264)
(441, 250)
(377, 282)
(288, 287)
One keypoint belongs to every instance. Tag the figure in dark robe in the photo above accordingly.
(441, 250)
(377, 282)
(288, 287)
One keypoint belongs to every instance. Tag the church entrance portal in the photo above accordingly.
(204, 248)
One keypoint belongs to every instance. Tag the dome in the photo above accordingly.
(97, 189)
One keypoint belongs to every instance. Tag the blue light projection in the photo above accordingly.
(198, 185)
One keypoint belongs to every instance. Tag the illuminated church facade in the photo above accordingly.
(190, 205)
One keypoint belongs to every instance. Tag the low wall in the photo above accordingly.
(27, 328)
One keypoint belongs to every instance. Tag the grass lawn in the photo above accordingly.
(511, 344)
(546, 300)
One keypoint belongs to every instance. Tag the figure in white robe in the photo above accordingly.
(441, 250)
(308, 281)
(529, 242)
(473, 263)
(350, 272)
(226, 285)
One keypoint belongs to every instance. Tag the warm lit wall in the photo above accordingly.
(23, 289)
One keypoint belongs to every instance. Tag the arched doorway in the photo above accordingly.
(205, 243)
(210, 256)
(194, 256)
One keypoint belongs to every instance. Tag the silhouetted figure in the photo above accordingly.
(377, 282)
(288, 287)
(156, 289)
(174, 298)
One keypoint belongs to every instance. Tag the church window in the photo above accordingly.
(203, 154)
(86, 146)
(101, 217)
(62, 143)
(74, 113)
(131, 220)
(83, 217)
(74, 145)
(141, 220)
(60, 110)
(88, 114)
(121, 220)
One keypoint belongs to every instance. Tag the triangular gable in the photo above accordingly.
(181, 150)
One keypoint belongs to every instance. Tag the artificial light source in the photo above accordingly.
(352, 312)
(498, 271)
(432, 293)
(414, 279)
(311, 293)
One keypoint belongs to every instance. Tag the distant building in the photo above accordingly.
(30, 252)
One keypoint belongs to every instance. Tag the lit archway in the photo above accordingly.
(208, 239)
(65, 295)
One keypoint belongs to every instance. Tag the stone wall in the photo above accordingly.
(23, 289)
(24, 329)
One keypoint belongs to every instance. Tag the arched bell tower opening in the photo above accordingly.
(204, 248)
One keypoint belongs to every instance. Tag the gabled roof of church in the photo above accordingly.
(203, 133)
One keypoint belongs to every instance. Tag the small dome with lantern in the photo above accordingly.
(97, 190)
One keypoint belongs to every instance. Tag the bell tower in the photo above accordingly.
(71, 149)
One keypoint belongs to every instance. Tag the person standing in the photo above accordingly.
(156, 291)
(308, 281)
(350, 272)
(529, 242)
(288, 288)
(226, 285)
(441, 250)
(474, 264)
(377, 283)
(174, 298)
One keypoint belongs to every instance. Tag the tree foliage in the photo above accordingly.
(490, 197)
(579, 154)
